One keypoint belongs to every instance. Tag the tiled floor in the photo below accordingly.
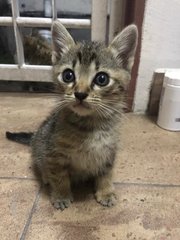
(147, 180)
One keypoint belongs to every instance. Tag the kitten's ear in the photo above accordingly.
(61, 41)
(124, 45)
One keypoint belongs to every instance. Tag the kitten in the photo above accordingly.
(79, 139)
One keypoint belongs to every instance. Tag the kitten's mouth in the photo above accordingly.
(81, 104)
(81, 108)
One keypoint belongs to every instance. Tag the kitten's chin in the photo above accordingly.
(81, 110)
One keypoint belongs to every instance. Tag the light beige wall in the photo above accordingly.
(160, 45)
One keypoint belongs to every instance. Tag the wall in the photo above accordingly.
(160, 45)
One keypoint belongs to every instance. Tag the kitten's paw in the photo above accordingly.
(107, 199)
(61, 203)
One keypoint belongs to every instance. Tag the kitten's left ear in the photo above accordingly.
(124, 45)
(61, 41)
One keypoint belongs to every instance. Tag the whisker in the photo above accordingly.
(104, 110)
(120, 106)
(62, 104)
(109, 112)
(113, 101)
(103, 113)
(100, 112)
(60, 107)
(108, 107)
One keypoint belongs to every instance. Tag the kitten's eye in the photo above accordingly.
(68, 76)
(101, 79)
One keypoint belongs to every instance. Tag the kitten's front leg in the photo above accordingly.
(59, 180)
(105, 194)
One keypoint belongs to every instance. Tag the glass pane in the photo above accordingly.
(37, 43)
(5, 8)
(34, 8)
(80, 9)
(80, 34)
(37, 46)
(76, 8)
(66, 9)
(7, 45)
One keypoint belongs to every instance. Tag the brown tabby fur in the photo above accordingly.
(37, 50)
(79, 139)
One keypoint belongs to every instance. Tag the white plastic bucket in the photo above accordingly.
(169, 108)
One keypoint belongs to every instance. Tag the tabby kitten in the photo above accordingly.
(79, 139)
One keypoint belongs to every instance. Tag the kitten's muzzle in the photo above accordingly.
(80, 96)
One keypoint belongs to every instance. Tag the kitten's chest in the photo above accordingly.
(89, 152)
(94, 144)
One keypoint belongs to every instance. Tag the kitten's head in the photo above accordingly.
(90, 76)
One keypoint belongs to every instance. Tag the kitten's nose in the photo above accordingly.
(80, 95)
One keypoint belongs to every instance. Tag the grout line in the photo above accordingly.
(116, 183)
(17, 178)
(28, 222)
(148, 184)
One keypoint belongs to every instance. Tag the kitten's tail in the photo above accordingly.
(20, 137)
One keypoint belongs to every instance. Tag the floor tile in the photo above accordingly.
(16, 201)
(19, 113)
(142, 213)
(148, 153)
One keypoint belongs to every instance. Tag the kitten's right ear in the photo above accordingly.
(124, 45)
(61, 41)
